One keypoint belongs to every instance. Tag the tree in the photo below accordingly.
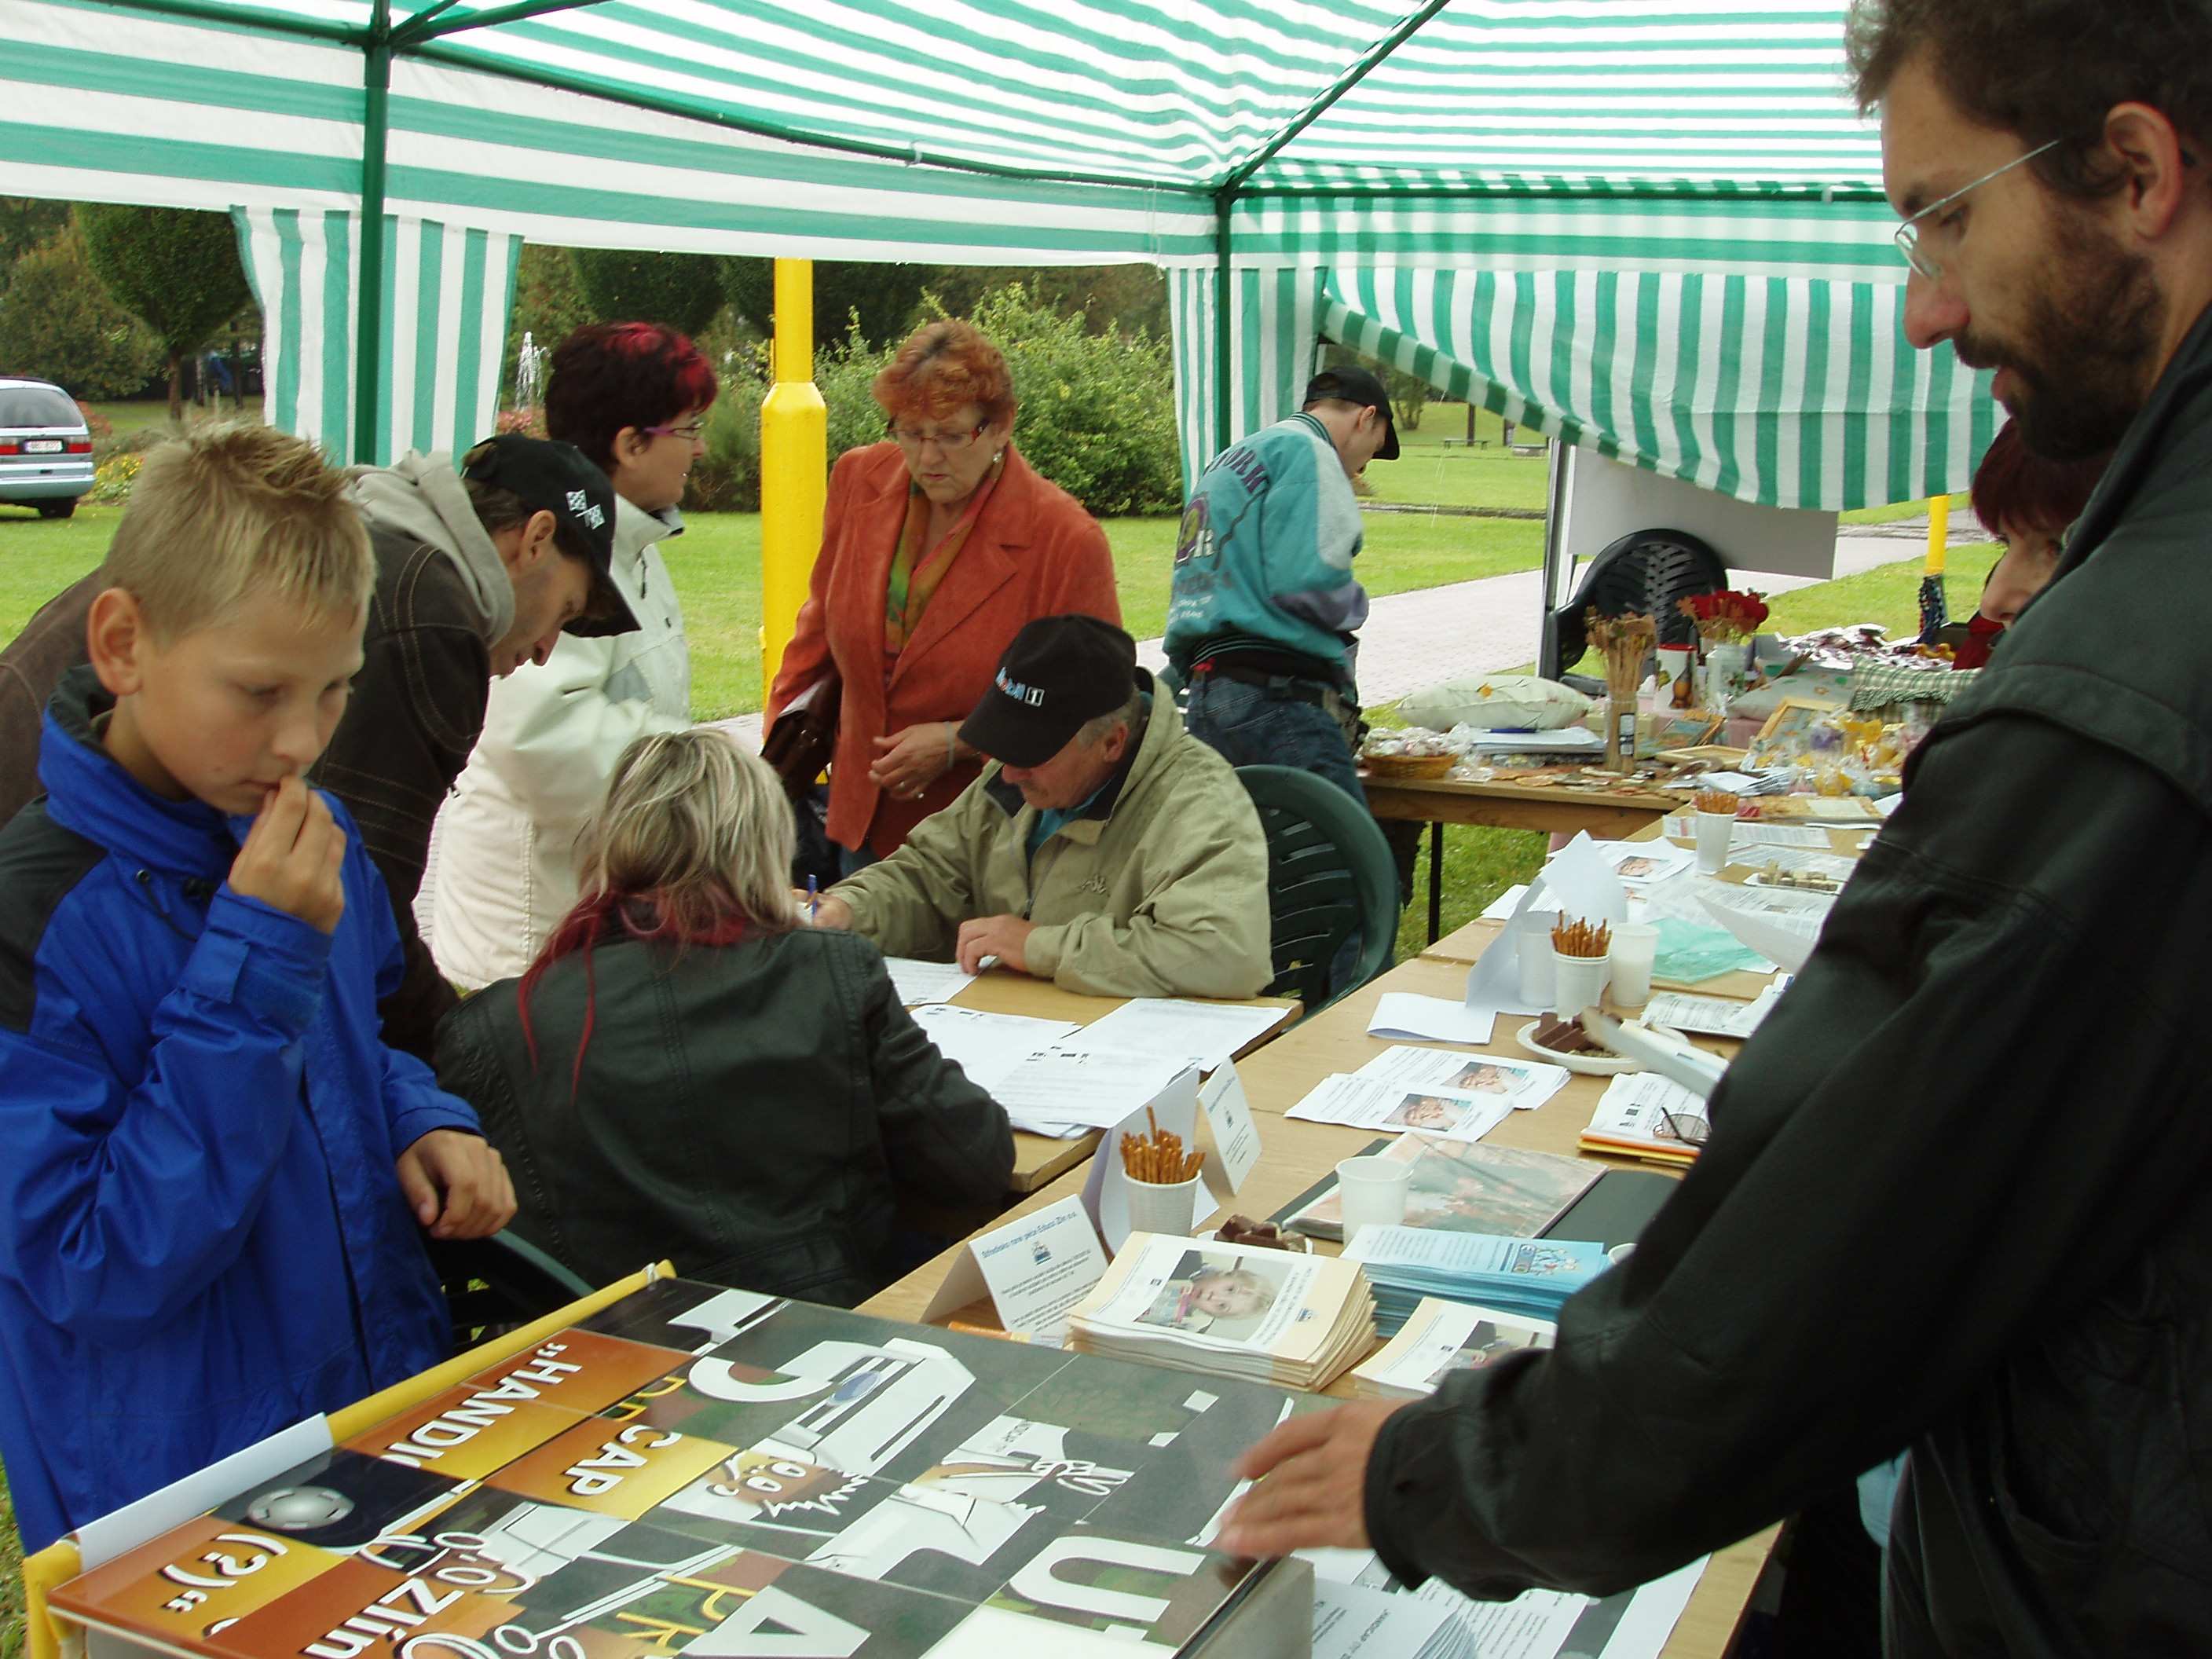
(26, 221)
(548, 303)
(1127, 298)
(56, 322)
(620, 285)
(882, 296)
(175, 269)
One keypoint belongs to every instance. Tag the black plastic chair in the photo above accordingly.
(1648, 571)
(1330, 879)
(495, 1284)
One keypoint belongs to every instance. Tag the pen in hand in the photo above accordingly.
(813, 902)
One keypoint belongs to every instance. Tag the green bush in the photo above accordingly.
(57, 322)
(620, 285)
(727, 478)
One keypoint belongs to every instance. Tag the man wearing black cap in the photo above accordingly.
(475, 576)
(1108, 850)
(1264, 607)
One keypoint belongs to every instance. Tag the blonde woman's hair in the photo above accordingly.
(229, 510)
(699, 826)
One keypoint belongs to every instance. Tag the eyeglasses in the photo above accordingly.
(1908, 235)
(691, 433)
(1687, 1127)
(950, 443)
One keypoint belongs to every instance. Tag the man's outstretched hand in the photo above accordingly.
(1312, 1473)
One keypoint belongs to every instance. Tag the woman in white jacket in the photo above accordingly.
(632, 396)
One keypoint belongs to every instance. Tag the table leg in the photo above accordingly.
(1436, 880)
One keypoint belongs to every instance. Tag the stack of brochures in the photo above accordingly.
(1464, 1187)
(1444, 1337)
(1645, 1116)
(1530, 1278)
(1228, 1310)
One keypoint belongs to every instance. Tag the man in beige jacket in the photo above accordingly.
(1107, 849)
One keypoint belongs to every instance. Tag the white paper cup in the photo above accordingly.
(1372, 1191)
(1579, 982)
(1162, 1208)
(1635, 948)
(1714, 830)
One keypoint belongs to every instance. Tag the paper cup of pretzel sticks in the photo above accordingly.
(1163, 1180)
(1578, 965)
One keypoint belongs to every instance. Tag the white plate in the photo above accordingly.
(1586, 1064)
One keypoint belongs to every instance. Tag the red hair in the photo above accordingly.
(945, 367)
(641, 916)
(2015, 486)
(609, 375)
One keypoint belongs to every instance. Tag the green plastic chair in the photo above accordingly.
(1330, 880)
(496, 1284)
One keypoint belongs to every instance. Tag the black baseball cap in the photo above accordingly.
(1059, 672)
(1356, 386)
(555, 477)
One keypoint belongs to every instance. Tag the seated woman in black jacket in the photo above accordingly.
(686, 1071)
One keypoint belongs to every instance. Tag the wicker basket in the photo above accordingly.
(1407, 767)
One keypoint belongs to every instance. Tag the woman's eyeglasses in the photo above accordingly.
(950, 443)
(690, 433)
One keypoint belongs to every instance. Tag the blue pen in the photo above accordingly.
(813, 902)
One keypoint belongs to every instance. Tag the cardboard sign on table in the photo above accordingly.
(1034, 1269)
(1235, 1135)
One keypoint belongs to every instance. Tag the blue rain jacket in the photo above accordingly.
(202, 1236)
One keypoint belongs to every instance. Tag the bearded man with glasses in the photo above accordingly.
(937, 545)
(2010, 1275)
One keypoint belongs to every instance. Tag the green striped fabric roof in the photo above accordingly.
(1023, 129)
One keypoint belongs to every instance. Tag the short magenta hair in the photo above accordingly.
(2015, 486)
(609, 375)
(945, 365)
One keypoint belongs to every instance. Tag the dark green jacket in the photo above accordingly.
(1960, 1192)
(752, 1111)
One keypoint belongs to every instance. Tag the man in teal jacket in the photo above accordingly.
(1265, 605)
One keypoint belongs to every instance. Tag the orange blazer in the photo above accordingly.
(1034, 553)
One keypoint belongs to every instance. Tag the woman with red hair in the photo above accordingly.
(937, 545)
(633, 397)
(2027, 503)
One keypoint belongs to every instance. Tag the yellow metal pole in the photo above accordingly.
(1939, 532)
(795, 466)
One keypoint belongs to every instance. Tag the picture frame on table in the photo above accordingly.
(1791, 725)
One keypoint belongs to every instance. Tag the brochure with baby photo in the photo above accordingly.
(1360, 1103)
(1523, 1084)
(1461, 1186)
(1229, 1310)
(1442, 1337)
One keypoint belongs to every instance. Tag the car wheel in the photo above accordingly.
(55, 509)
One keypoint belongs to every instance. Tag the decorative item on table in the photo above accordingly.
(1564, 1043)
(1262, 1236)
(1161, 1178)
(1678, 687)
(1725, 623)
(1717, 800)
(1800, 881)
(1578, 965)
(1495, 703)
(1625, 641)
(1412, 753)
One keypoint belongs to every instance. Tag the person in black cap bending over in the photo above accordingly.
(1107, 849)
(1263, 610)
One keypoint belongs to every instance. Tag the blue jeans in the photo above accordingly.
(1258, 726)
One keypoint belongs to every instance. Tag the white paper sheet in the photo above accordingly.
(987, 1046)
(1402, 1014)
(1751, 833)
(1092, 1087)
(1709, 1016)
(1585, 884)
(1502, 908)
(1352, 1621)
(1362, 1103)
(918, 983)
(1781, 927)
(1203, 1033)
(1638, 863)
(1236, 1132)
(1889, 803)
(1526, 1083)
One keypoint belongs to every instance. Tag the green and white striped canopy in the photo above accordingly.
(1243, 147)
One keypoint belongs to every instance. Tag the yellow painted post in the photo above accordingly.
(1939, 532)
(795, 466)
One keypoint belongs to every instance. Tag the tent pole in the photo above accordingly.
(1225, 202)
(369, 300)
(1555, 503)
(431, 24)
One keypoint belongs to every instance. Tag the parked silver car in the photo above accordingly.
(45, 448)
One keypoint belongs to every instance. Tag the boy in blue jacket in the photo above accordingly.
(214, 1177)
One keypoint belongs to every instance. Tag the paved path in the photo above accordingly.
(1437, 634)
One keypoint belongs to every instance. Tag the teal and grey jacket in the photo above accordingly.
(1263, 561)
